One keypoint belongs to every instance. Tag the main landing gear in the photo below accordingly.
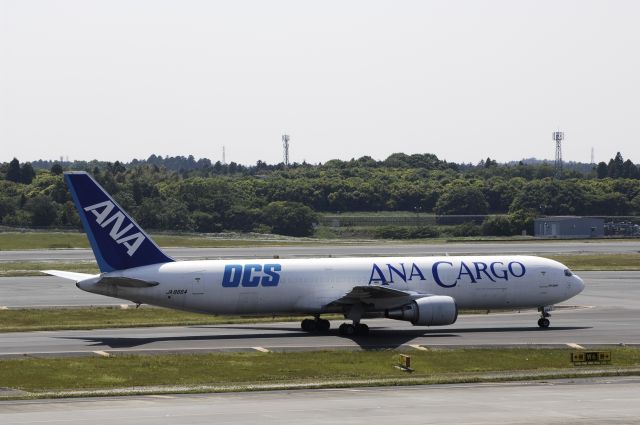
(347, 329)
(315, 325)
(544, 322)
(318, 325)
(322, 326)
(354, 314)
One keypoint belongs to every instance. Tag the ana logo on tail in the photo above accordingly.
(102, 210)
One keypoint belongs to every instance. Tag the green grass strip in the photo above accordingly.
(24, 320)
(42, 240)
(32, 268)
(610, 262)
(58, 319)
(57, 240)
(242, 369)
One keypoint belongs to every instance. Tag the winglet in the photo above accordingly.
(118, 242)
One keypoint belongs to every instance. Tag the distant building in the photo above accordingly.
(569, 227)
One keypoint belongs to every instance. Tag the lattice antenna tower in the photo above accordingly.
(285, 149)
(558, 136)
(593, 161)
(224, 156)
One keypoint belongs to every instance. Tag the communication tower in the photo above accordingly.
(558, 136)
(224, 156)
(592, 156)
(285, 149)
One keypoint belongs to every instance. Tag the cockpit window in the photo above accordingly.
(567, 272)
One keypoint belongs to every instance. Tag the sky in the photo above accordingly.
(123, 79)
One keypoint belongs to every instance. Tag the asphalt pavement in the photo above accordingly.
(583, 401)
(607, 312)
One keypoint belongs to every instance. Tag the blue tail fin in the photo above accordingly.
(117, 241)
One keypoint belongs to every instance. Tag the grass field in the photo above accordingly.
(324, 235)
(57, 240)
(56, 319)
(579, 262)
(25, 320)
(47, 374)
(42, 240)
(30, 268)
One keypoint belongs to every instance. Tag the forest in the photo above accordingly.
(189, 195)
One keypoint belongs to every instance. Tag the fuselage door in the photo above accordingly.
(197, 284)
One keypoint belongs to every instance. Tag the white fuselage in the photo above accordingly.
(312, 285)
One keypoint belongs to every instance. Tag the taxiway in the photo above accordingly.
(583, 401)
(606, 313)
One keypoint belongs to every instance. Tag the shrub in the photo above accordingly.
(465, 229)
(497, 225)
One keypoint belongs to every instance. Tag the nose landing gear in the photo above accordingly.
(544, 322)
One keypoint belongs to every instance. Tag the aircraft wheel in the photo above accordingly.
(323, 325)
(362, 329)
(543, 322)
(347, 329)
(308, 325)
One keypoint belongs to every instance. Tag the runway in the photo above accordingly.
(540, 247)
(584, 401)
(608, 314)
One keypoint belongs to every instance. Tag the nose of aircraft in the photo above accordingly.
(577, 285)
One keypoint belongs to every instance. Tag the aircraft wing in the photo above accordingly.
(374, 294)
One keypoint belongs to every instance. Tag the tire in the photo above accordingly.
(323, 326)
(308, 325)
(543, 322)
(347, 329)
(362, 329)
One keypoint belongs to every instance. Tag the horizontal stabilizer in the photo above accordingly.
(69, 275)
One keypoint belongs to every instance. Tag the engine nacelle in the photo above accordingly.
(437, 310)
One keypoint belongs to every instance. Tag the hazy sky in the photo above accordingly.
(462, 79)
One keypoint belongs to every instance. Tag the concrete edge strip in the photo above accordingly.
(102, 353)
(575, 346)
(261, 349)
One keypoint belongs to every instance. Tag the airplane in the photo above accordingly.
(426, 291)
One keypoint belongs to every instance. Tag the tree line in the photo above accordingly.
(202, 196)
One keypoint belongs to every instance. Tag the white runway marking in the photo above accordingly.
(419, 347)
(261, 349)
